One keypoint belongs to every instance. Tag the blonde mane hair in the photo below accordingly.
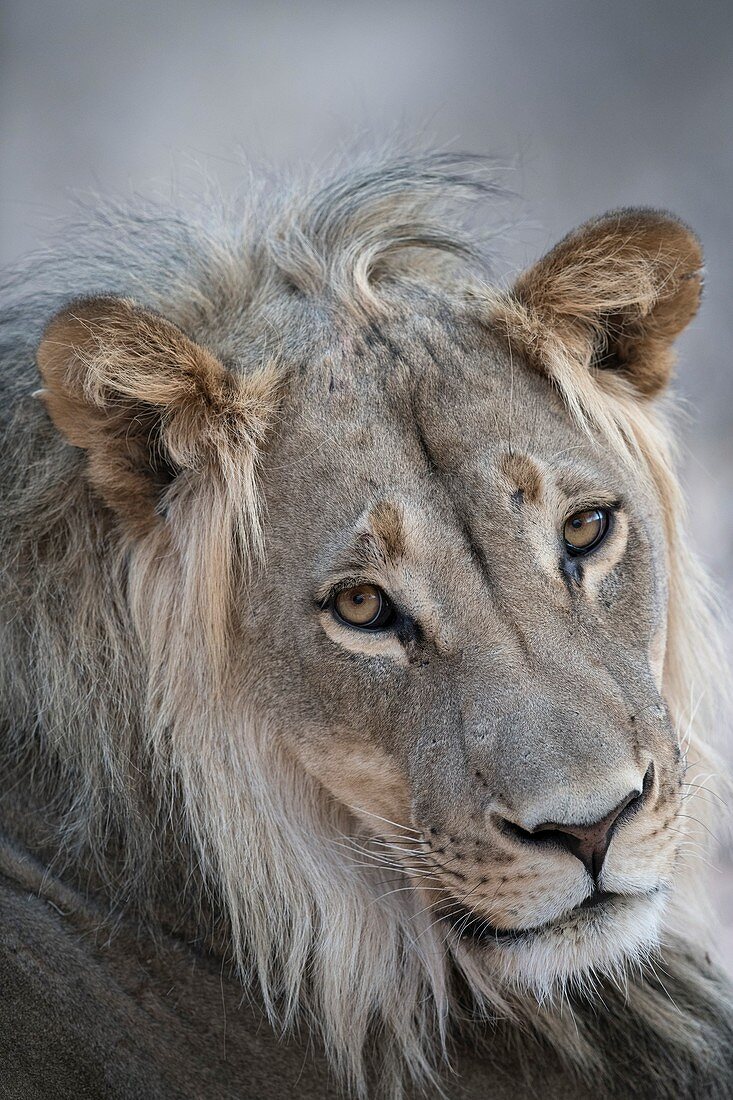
(146, 734)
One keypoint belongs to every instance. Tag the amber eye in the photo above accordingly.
(365, 606)
(583, 531)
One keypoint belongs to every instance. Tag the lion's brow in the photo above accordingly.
(379, 540)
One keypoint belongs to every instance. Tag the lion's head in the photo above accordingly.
(379, 568)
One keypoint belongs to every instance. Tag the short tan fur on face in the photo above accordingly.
(523, 475)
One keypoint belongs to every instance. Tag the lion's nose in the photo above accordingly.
(587, 842)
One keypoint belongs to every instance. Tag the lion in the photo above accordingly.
(358, 678)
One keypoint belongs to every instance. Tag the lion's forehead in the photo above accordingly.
(464, 463)
(420, 412)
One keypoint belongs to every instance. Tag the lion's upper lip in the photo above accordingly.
(473, 926)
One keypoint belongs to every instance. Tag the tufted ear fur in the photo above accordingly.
(147, 403)
(612, 295)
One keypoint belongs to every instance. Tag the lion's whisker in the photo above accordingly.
(406, 828)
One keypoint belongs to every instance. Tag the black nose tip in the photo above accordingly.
(589, 843)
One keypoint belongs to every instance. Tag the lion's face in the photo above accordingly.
(456, 634)
(480, 690)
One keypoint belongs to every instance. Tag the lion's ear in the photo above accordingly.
(146, 403)
(614, 293)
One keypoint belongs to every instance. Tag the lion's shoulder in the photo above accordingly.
(123, 1015)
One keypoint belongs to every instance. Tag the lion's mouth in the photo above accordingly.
(472, 927)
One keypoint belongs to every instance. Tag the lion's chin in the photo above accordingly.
(586, 943)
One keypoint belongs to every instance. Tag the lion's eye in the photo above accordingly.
(583, 531)
(365, 606)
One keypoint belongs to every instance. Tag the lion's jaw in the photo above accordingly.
(572, 951)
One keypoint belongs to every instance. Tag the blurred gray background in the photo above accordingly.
(597, 105)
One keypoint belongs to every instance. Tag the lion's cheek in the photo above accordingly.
(365, 779)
